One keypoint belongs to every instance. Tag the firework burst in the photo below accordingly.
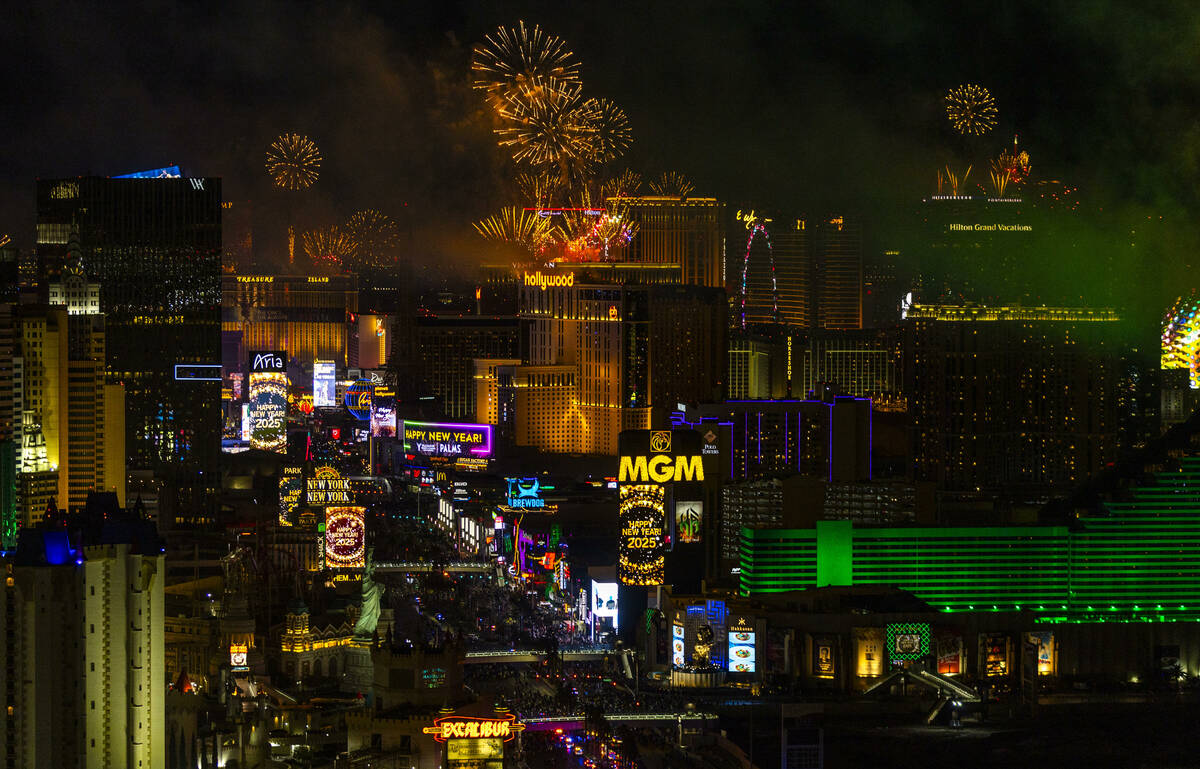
(376, 239)
(610, 136)
(623, 185)
(329, 246)
(517, 227)
(293, 162)
(971, 109)
(520, 64)
(672, 184)
(553, 129)
(537, 188)
(1015, 163)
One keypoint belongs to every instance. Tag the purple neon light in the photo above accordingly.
(485, 450)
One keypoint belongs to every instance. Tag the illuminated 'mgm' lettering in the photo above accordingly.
(661, 468)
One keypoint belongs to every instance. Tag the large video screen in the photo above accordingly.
(324, 384)
(345, 537)
(604, 601)
(267, 411)
(742, 656)
(642, 518)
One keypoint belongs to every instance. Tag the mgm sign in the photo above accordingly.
(651, 463)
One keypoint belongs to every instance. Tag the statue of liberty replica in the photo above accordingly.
(360, 671)
(372, 595)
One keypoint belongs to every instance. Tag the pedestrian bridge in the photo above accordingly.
(425, 567)
(537, 655)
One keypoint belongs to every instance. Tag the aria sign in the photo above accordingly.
(460, 727)
(268, 360)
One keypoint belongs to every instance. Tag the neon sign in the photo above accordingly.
(526, 492)
(465, 727)
(542, 281)
(444, 439)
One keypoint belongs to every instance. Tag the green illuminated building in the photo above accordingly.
(1137, 559)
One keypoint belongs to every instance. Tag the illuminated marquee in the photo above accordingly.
(327, 487)
(466, 727)
(345, 537)
(544, 281)
(436, 439)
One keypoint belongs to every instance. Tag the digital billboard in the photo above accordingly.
(383, 418)
(641, 558)
(688, 517)
(445, 439)
(266, 411)
(742, 646)
(237, 656)
(677, 645)
(291, 490)
(604, 601)
(481, 749)
(324, 383)
(345, 537)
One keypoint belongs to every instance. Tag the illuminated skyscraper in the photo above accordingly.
(81, 633)
(1017, 398)
(689, 232)
(839, 274)
(154, 245)
(80, 416)
(790, 239)
(596, 318)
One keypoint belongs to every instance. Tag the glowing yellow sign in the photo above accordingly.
(542, 281)
(466, 727)
(661, 468)
(750, 219)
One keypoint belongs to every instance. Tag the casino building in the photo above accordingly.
(307, 316)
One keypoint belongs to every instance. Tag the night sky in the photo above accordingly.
(820, 107)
